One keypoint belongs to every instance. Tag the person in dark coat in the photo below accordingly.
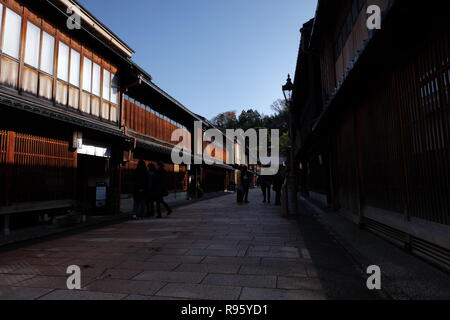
(162, 190)
(140, 189)
(152, 190)
(277, 185)
(245, 180)
(265, 182)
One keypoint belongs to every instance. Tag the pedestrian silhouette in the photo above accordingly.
(245, 180)
(151, 190)
(161, 181)
(140, 189)
(277, 185)
(265, 182)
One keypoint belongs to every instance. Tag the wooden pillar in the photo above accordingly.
(10, 150)
(75, 176)
(6, 230)
(118, 186)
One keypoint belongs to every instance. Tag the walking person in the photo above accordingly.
(162, 190)
(277, 185)
(245, 180)
(140, 190)
(266, 183)
(239, 186)
(152, 190)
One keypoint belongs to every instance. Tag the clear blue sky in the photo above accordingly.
(212, 55)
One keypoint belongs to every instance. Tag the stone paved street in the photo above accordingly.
(213, 249)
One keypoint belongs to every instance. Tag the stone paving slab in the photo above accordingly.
(146, 288)
(12, 279)
(168, 251)
(153, 266)
(136, 297)
(122, 274)
(241, 280)
(294, 271)
(176, 258)
(278, 294)
(50, 282)
(180, 277)
(201, 292)
(209, 268)
(233, 260)
(16, 293)
(81, 295)
(299, 283)
(214, 253)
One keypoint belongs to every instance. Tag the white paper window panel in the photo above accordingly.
(106, 84)
(11, 35)
(74, 68)
(96, 74)
(9, 72)
(61, 93)
(30, 80)
(105, 110)
(74, 97)
(87, 74)
(45, 86)
(86, 102)
(63, 62)
(113, 115)
(95, 106)
(1, 17)
(115, 89)
(32, 44)
(48, 53)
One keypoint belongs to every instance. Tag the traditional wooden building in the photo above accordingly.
(372, 122)
(61, 142)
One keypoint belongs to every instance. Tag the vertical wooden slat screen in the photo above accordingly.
(3, 165)
(141, 119)
(328, 73)
(345, 165)
(402, 129)
(426, 118)
(43, 169)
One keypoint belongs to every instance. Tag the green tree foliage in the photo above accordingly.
(252, 119)
(285, 142)
(226, 120)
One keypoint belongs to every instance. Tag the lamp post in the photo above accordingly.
(288, 88)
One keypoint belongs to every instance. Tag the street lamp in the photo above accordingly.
(288, 88)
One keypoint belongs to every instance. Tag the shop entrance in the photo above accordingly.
(93, 184)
